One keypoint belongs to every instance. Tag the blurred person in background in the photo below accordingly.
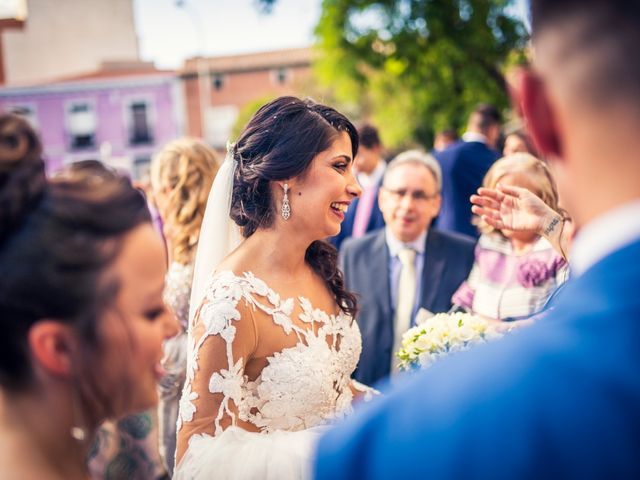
(181, 177)
(444, 139)
(518, 209)
(515, 271)
(518, 141)
(464, 165)
(404, 267)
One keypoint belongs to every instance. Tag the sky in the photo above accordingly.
(13, 8)
(168, 34)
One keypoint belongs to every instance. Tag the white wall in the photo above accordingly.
(68, 37)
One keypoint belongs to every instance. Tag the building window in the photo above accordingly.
(140, 133)
(219, 122)
(280, 76)
(217, 80)
(81, 124)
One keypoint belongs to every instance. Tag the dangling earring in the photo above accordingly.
(78, 431)
(285, 210)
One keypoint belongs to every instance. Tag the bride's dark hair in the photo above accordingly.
(280, 142)
(58, 238)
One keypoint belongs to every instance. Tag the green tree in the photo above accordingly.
(305, 87)
(416, 66)
(245, 114)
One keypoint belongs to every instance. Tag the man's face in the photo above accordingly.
(409, 200)
(493, 134)
(367, 159)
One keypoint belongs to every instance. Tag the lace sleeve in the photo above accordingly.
(221, 339)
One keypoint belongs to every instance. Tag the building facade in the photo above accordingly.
(59, 38)
(217, 88)
(120, 114)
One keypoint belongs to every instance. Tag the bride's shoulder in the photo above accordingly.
(237, 284)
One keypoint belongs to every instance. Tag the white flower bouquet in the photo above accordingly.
(440, 335)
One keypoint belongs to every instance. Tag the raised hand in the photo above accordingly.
(513, 208)
(518, 209)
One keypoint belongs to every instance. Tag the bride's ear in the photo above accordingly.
(52, 344)
(289, 183)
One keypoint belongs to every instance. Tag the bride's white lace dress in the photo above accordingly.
(260, 418)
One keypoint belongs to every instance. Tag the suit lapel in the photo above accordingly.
(432, 270)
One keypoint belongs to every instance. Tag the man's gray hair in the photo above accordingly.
(416, 157)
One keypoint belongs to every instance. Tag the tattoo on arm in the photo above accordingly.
(552, 226)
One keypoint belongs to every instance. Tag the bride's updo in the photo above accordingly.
(280, 142)
(58, 238)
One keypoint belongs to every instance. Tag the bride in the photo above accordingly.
(272, 340)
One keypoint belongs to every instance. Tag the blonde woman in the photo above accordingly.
(181, 177)
(514, 271)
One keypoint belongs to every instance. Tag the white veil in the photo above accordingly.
(219, 234)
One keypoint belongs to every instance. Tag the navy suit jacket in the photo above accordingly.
(464, 165)
(559, 399)
(365, 263)
(376, 220)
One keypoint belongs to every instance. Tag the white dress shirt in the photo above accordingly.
(367, 179)
(395, 266)
(474, 137)
(604, 235)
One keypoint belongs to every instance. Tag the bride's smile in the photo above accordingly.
(321, 196)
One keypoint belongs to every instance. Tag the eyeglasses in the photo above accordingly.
(416, 195)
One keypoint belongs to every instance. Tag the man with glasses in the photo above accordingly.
(405, 266)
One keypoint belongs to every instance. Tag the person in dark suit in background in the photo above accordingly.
(390, 290)
(464, 164)
(560, 398)
(364, 213)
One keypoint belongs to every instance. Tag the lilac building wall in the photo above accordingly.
(48, 108)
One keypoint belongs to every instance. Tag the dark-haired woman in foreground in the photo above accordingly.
(81, 308)
(272, 342)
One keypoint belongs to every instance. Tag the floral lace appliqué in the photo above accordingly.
(300, 387)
